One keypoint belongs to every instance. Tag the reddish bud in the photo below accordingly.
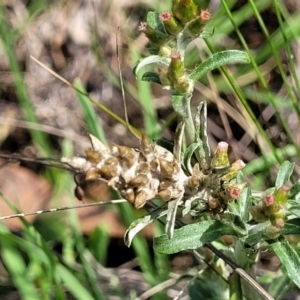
(170, 23)
(196, 26)
(268, 200)
(235, 193)
(205, 15)
(232, 191)
(165, 16)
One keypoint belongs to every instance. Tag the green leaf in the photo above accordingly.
(151, 77)
(208, 286)
(165, 144)
(181, 105)
(193, 236)
(279, 286)
(236, 223)
(289, 258)
(295, 191)
(252, 239)
(171, 216)
(89, 112)
(205, 35)
(152, 59)
(178, 138)
(73, 284)
(218, 60)
(137, 225)
(201, 134)
(241, 206)
(284, 174)
(293, 208)
(188, 153)
(154, 21)
(292, 227)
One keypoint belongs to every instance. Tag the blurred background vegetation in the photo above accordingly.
(81, 254)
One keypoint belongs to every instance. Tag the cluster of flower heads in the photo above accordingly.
(272, 208)
(152, 172)
(168, 37)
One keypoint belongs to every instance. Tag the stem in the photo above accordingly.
(235, 287)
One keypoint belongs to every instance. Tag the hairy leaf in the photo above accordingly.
(289, 258)
(193, 236)
(152, 59)
(241, 206)
(292, 227)
(181, 104)
(188, 153)
(218, 60)
(137, 225)
(284, 174)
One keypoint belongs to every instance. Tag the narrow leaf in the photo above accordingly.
(136, 226)
(152, 59)
(188, 153)
(292, 227)
(241, 206)
(284, 174)
(151, 77)
(218, 60)
(295, 191)
(89, 112)
(181, 105)
(73, 284)
(201, 134)
(171, 216)
(178, 138)
(289, 258)
(192, 236)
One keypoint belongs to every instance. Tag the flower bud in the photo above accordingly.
(232, 191)
(268, 200)
(278, 219)
(155, 37)
(182, 86)
(220, 159)
(163, 77)
(234, 168)
(272, 232)
(176, 68)
(171, 24)
(258, 214)
(281, 195)
(196, 26)
(165, 51)
(184, 10)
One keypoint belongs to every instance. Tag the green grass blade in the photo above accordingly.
(73, 284)
(89, 114)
